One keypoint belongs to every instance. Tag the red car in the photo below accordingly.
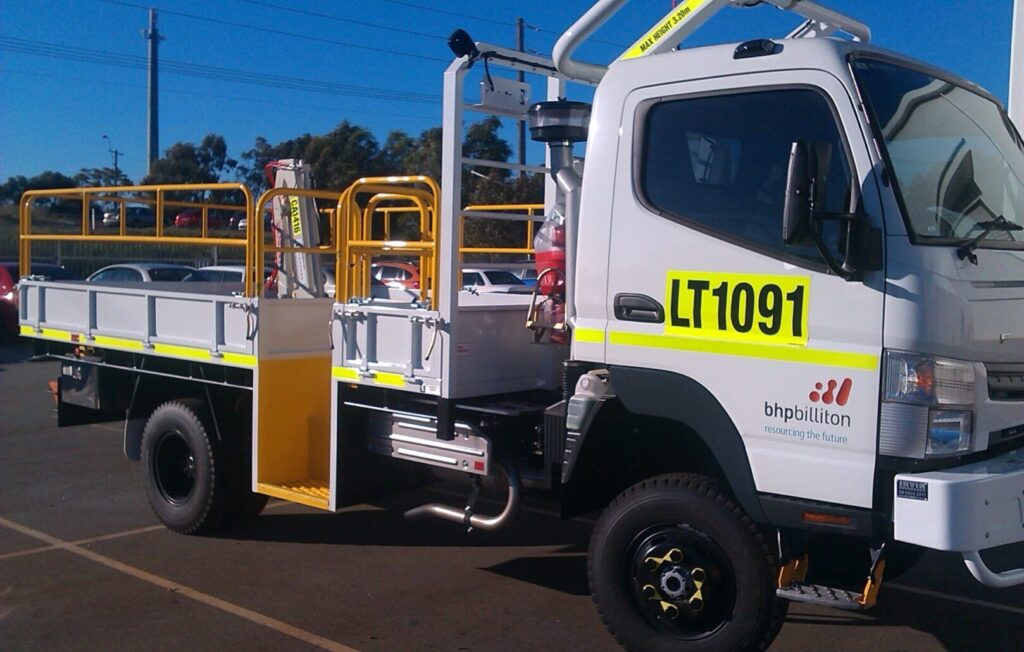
(9, 292)
(193, 217)
(396, 274)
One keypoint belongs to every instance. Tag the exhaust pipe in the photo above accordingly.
(467, 516)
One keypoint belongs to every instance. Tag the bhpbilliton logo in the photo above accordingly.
(827, 392)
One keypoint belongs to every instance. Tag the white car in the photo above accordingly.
(493, 280)
(140, 273)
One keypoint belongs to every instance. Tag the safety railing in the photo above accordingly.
(254, 278)
(529, 213)
(153, 195)
(356, 246)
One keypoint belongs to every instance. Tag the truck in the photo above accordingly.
(778, 317)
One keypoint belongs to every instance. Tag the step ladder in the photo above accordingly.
(792, 585)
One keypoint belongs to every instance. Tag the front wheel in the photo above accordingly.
(675, 565)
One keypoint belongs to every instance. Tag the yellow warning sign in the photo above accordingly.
(674, 20)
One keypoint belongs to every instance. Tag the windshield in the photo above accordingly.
(501, 277)
(956, 158)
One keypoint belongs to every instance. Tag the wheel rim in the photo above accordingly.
(174, 467)
(682, 582)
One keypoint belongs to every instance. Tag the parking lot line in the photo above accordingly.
(83, 542)
(180, 589)
(954, 598)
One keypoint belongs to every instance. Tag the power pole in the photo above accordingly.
(115, 153)
(152, 35)
(1016, 96)
(520, 78)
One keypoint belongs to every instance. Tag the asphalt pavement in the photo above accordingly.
(84, 565)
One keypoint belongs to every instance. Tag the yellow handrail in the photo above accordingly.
(260, 248)
(356, 248)
(106, 194)
(529, 210)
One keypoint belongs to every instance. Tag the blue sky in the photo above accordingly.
(70, 71)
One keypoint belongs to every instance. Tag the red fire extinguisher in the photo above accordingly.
(549, 248)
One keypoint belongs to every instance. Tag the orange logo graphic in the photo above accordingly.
(830, 395)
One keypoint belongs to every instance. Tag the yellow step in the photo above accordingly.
(314, 493)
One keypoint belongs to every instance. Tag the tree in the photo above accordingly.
(189, 163)
(251, 171)
(95, 177)
(14, 187)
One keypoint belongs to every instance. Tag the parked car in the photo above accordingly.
(528, 275)
(140, 273)
(494, 280)
(193, 217)
(222, 274)
(135, 215)
(396, 274)
(9, 291)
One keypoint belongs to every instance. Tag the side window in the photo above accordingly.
(471, 279)
(720, 162)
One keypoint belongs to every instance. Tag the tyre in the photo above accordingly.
(675, 565)
(186, 477)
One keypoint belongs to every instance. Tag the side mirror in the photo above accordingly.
(800, 191)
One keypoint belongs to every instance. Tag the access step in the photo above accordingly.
(822, 595)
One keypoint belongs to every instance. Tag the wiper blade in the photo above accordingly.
(968, 245)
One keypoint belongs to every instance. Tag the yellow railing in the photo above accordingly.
(254, 276)
(528, 210)
(350, 240)
(107, 195)
(357, 247)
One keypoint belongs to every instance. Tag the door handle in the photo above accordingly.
(638, 307)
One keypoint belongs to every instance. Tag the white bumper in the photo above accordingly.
(965, 509)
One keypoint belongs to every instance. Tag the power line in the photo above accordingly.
(503, 23)
(339, 19)
(276, 32)
(54, 50)
(240, 98)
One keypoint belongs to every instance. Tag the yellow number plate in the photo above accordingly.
(744, 307)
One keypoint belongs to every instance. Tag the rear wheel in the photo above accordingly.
(185, 473)
(675, 565)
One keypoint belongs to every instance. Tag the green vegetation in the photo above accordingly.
(337, 159)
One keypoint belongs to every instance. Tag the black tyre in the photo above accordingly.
(675, 565)
(186, 479)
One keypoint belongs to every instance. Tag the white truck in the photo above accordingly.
(789, 322)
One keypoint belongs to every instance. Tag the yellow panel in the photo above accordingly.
(293, 404)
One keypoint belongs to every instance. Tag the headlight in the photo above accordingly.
(927, 406)
(926, 380)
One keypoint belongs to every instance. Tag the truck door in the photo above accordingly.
(789, 350)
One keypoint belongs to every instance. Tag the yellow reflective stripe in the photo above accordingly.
(54, 334)
(240, 359)
(748, 350)
(345, 373)
(589, 335)
(165, 350)
(175, 351)
(672, 21)
(117, 342)
(392, 380)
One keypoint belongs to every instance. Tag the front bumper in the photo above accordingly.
(965, 509)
